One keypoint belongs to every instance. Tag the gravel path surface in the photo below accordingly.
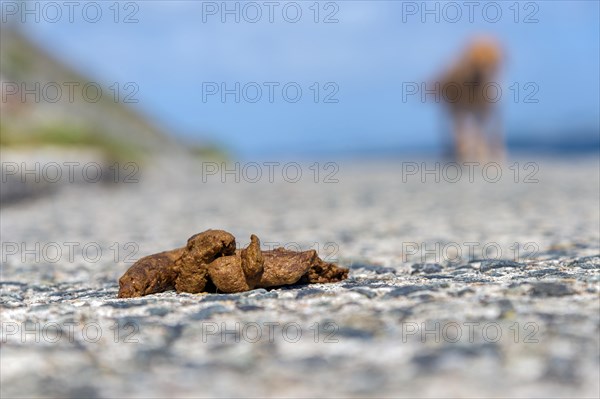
(427, 310)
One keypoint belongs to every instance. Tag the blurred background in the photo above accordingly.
(325, 80)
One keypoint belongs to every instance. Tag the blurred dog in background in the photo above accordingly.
(470, 91)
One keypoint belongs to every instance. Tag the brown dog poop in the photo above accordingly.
(210, 259)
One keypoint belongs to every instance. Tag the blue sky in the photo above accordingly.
(373, 48)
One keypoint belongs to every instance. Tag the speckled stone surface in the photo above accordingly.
(413, 319)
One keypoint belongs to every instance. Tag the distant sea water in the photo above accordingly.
(561, 146)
